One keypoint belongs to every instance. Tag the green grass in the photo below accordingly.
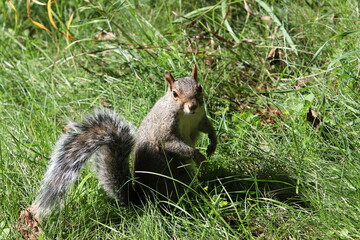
(274, 175)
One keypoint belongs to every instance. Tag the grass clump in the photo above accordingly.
(282, 86)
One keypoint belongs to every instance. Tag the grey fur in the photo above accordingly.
(164, 148)
(165, 140)
(104, 129)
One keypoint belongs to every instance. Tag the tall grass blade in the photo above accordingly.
(224, 9)
(15, 13)
(197, 12)
(341, 35)
(277, 21)
(346, 55)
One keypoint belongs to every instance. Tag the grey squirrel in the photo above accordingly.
(163, 149)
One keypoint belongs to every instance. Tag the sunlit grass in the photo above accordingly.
(275, 175)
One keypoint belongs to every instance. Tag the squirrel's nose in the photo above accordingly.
(192, 107)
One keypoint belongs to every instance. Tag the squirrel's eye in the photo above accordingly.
(175, 94)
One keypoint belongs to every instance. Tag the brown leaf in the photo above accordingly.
(274, 56)
(313, 118)
(210, 61)
(105, 36)
(28, 224)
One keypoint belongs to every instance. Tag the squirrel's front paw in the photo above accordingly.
(210, 149)
(199, 157)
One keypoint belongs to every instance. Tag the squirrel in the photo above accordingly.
(163, 149)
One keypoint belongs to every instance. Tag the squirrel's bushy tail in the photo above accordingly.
(103, 135)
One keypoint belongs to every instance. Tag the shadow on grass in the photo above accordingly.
(266, 181)
(240, 183)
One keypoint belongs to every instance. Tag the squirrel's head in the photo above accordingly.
(185, 92)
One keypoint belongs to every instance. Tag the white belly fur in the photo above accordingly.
(188, 126)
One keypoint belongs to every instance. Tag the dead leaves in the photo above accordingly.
(50, 18)
(274, 56)
(270, 115)
(313, 118)
(210, 61)
(105, 36)
(28, 224)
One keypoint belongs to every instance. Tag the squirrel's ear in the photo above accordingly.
(170, 79)
(194, 72)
